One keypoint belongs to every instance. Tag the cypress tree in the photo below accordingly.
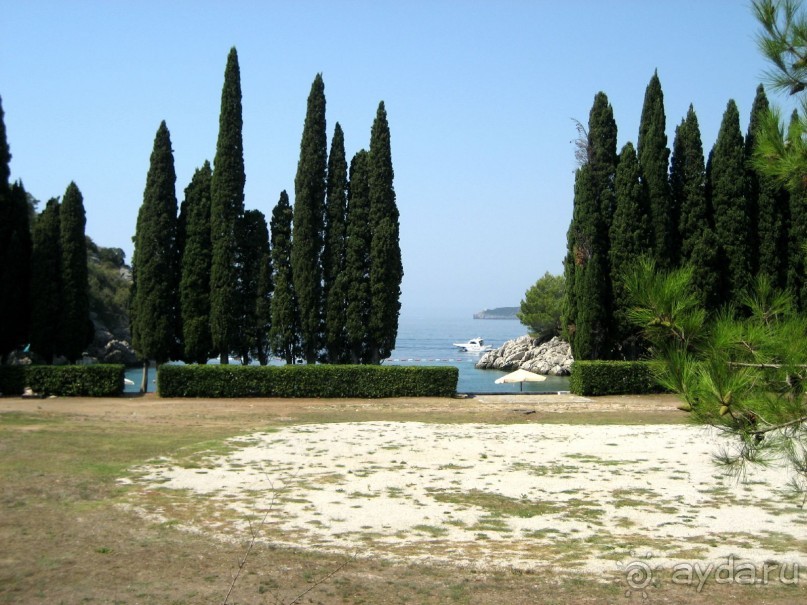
(357, 260)
(155, 292)
(263, 303)
(194, 286)
(587, 308)
(309, 207)
(75, 322)
(253, 244)
(768, 206)
(654, 159)
(696, 223)
(729, 204)
(226, 209)
(46, 282)
(15, 268)
(797, 231)
(333, 255)
(629, 239)
(386, 267)
(284, 339)
(5, 153)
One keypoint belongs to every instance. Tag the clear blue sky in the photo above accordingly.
(480, 98)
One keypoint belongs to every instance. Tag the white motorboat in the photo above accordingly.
(475, 345)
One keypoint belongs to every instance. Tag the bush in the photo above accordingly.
(306, 381)
(65, 381)
(612, 378)
(12, 380)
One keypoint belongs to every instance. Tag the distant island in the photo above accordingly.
(498, 313)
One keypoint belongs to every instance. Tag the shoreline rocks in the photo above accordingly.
(552, 358)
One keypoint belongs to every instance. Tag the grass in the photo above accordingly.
(69, 536)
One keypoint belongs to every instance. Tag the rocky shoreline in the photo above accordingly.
(552, 358)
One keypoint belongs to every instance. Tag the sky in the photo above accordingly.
(481, 98)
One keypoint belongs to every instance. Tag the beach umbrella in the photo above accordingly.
(520, 376)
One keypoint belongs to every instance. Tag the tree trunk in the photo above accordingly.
(224, 359)
(144, 383)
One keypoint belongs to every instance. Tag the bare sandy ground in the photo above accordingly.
(522, 496)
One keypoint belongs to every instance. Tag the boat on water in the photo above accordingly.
(475, 345)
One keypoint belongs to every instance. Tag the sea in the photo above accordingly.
(427, 339)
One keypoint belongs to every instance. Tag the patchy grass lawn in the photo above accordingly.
(67, 538)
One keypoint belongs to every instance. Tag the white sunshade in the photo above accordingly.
(520, 376)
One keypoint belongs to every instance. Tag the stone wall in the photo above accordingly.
(553, 357)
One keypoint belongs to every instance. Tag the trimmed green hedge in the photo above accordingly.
(103, 380)
(306, 381)
(612, 378)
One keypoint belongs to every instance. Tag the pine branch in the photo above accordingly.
(776, 427)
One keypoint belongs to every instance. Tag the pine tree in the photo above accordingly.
(46, 282)
(154, 295)
(730, 205)
(284, 339)
(253, 246)
(357, 260)
(696, 222)
(333, 254)
(15, 268)
(226, 209)
(194, 286)
(587, 309)
(768, 206)
(630, 237)
(75, 322)
(309, 207)
(654, 160)
(386, 267)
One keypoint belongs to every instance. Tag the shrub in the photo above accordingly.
(12, 380)
(306, 381)
(66, 381)
(612, 378)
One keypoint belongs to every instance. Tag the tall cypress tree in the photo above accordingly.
(730, 205)
(386, 266)
(333, 254)
(284, 339)
(194, 286)
(46, 282)
(76, 331)
(5, 153)
(15, 268)
(357, 260)
(696, 222)
(226, 209)
(768, 206)
(587, 308)
(15, 253)
(263, 303)
(253, 244)
(154, 295)
(797, 231)
(629, 239)
(654, 159)
(309, 206)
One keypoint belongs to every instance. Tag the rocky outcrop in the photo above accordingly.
(553, 357)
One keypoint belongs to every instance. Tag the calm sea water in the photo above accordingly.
(428, 340)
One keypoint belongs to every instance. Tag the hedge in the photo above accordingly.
(612, 378)
(102, 380)
(306, 381)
